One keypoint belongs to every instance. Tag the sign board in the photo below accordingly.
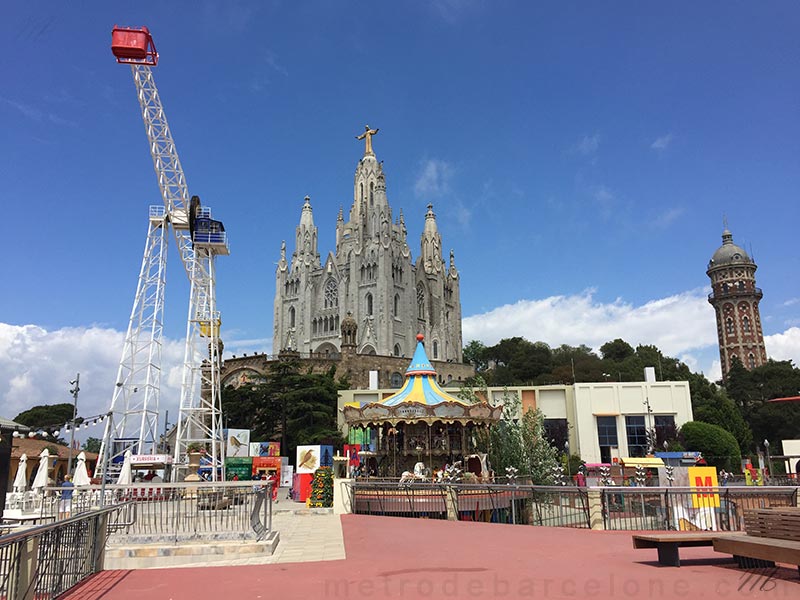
(265, 448)
(240, 468)
(151, 459)
(704, 477)
(307, 459)
(237, 443)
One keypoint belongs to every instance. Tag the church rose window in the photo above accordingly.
(331, 294)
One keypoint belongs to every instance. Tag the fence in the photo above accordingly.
(520, 504)
(46, 561)
(174, 512)
(721, 508)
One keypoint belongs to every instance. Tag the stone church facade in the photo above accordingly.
(359, 310)
(370, 279)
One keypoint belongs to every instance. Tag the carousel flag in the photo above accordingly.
(41, 480)
(21, 478)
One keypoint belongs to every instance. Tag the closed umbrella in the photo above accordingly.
(40, 481)
(81, 476)
(21, 478)
(125, 475)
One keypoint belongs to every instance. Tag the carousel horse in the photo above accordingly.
(419, 474)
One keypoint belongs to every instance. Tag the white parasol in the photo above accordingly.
(125, 475)
(81, 476)
(41, 479)
(21, 478)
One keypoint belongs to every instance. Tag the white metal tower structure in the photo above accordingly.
(200, 239)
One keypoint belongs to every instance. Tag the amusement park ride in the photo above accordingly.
(134, 406)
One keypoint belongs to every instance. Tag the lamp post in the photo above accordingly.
(769, 459)
(569, 468)
(74, 391)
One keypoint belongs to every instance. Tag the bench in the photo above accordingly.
(667, 544)
(772, 535)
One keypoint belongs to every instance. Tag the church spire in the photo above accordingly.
(306, 236)
(431, 244)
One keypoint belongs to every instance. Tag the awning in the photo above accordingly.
(642, 462)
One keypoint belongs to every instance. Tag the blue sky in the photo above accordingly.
(579, 156)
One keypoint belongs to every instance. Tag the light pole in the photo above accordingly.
(769, 459)
(74, 391)
(569, 469)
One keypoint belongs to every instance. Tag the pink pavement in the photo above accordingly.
(415, 558)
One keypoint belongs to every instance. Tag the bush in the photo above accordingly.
(720, 449)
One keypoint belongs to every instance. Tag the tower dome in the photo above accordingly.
(729, 253)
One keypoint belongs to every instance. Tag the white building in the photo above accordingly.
(600, 421)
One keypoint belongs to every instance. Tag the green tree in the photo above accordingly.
(616, 350)
(718, 446)
(474, 354)
(516, 361)
(92, 444)
(49, 417)
(711, 404)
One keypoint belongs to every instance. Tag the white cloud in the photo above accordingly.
(452, 11)
(784, 346)
(434, 179)
(662, 142)
(587, 145)
(668, 217)
(791, 302)
(36, 366)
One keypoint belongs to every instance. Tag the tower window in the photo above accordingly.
(435, 349)
(751, 361)
(724, 288)
(397, 349)
(745, 324)
(369, 304)
(371, 190)
(291, 316)
(728, 325)
(396, 311)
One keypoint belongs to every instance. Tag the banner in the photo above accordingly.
(237, 443)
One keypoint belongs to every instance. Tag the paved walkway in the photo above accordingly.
(414, 558)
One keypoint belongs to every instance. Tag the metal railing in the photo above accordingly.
(174, 512)
(685, 508)
(45, 561)
(557, 506)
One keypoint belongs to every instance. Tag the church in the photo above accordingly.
(368, 291)
(360, 306)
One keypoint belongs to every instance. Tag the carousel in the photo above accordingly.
(421, 428)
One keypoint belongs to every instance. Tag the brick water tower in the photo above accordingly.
(735, 299)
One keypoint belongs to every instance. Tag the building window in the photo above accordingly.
(331, 294)
(607, 437)
(369, 305)
(396, 311)
(291, 316)
(371, 190)
(724, 288)
(728, 325)
(396, 380)
(557, 432)
(397, 350)
(666, 430)
(751, 360)
(745, 324)
(435, 349)
(420, 301)
(636, 432)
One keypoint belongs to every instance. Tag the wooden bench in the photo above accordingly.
(772, 535)
(667, 544)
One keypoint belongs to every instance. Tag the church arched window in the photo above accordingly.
(396, 308)
(291, 316)
(740, 285)
(397, 350)
(369, 304)
(331, 294)
(745, 324)
(371, 193)
(314, 326)
(420, 301)
(724, 288)
(435, 349)
(728, 325)
(751, 360)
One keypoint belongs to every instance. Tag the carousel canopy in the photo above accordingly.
(420, 399)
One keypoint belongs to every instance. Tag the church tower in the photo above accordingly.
(735, 299)
(368, 297)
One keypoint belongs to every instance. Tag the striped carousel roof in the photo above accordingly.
(420, 386)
